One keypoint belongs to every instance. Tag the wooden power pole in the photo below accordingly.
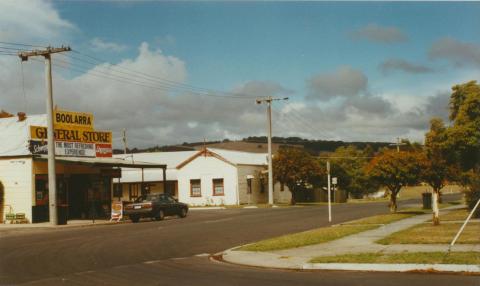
(268, 100)
(52, 178)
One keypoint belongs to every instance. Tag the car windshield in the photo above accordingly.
(146, 198)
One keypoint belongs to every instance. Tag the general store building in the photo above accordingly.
(84, 173)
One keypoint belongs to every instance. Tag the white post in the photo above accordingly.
(270, 171)
(52, 178)
(464, 224)
(435, 207)
(329, 200)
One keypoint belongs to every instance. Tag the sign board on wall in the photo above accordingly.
(72, 149)
(68, 119)
(74, 136)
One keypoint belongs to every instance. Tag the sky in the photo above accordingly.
(174, 72)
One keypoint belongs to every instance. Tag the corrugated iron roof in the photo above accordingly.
(14, 134)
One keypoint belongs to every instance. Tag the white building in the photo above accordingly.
(206, 177)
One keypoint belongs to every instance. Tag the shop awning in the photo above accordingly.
(103, 162)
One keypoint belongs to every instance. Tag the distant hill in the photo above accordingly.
(259, 145)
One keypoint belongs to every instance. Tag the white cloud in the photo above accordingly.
(391, 65)
(379, 34)
(457, 52)
(33, 22)
(345, 81)
(101, 45)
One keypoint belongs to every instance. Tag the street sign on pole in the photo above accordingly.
(334, 180)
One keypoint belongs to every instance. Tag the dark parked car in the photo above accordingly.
(155, 206)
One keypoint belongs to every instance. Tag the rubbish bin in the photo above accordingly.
(427, 201)
(62, 214)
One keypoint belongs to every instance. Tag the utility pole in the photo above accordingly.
(268, 100)
(124, 141)
(398, 144)
(52, 178)
(329, 196)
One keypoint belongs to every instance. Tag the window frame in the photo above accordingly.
(223, 187)
(199, 187)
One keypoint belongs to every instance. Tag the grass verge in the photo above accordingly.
(428, 234)
(326, 234)
(456, 215)
(306, 238)
(405, 257)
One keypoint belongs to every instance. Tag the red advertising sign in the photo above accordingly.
(103, 150)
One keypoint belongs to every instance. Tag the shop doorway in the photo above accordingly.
(171, 188)
(77, 197)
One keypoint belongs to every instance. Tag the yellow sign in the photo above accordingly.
(72, 134)
(68, 119)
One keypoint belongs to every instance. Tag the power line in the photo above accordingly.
(298, 120)
(296, 114)
(126, 80)
(21, 44)
(141, 75)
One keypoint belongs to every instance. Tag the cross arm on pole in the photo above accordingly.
(46, 53)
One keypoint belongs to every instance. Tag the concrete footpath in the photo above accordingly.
(298, 258)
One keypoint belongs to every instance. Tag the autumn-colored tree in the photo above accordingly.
(395, 170)
(296, 169)
(435, 168)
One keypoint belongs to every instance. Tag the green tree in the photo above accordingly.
(296, 169)
(395, 170)
(348, 165)
(463, 136)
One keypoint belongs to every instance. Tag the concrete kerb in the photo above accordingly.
(275, 261)
(452, 268)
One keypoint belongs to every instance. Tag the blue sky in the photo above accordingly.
(229, 43)
(353, 70)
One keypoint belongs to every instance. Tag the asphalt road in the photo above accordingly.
(174, 251)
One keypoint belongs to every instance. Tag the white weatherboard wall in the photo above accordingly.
(206, 169)
(16, 177)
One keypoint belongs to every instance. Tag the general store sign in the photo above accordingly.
(73, 134)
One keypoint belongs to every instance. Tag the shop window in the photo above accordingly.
(195, 188)
(41, 190)
(218, 187)
(134, 191)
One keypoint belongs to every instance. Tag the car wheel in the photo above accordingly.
(135, 219)
(160, 215)
(183, 212)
